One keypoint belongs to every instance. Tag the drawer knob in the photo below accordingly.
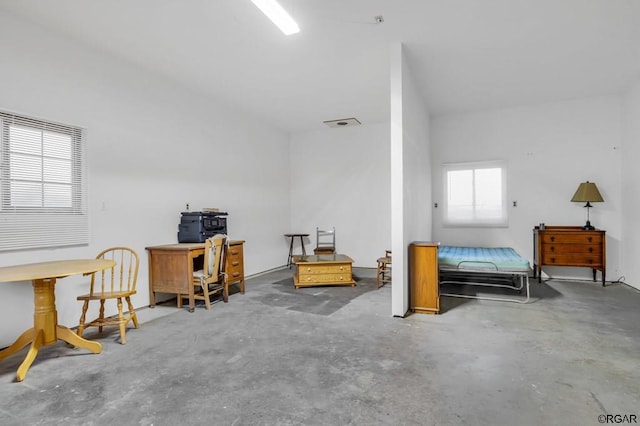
(553, 248)
(553, 260)
(553, 238)
(308, 269)
(308, 278)
(341, 268)
(590, 261)
(589, 239)
(235, 263)
(590, 249)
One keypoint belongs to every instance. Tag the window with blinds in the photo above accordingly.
(43, 190)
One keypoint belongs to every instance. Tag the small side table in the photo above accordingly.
(293, 237)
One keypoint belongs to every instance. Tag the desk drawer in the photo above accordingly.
(234, 265)
(234, 251)
(324, 278)
(324, 269)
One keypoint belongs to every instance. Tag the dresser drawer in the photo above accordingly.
(324, 278)
(575, 238)
(573, 260)
(551, 249)
(324, 269)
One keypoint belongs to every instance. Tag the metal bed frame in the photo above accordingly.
(514, 280)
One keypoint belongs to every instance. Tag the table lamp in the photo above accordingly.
(587, 192)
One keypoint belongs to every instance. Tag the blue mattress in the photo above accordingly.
(503, 259)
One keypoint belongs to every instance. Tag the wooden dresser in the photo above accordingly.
(323, 269)
(424, 292)
(569, 246)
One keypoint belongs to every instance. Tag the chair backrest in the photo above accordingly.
(121, 277)
(326, 238)
(214, 251)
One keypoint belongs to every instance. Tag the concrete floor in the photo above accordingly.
(335, 356)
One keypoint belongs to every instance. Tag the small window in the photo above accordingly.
(475, 194)
(42, 184)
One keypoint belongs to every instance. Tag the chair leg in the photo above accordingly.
(83, 318)
(122, 323)
(101, 317)
(383, 272)
(225, 292)
(386, 277)
(207, 296)
(132, 313)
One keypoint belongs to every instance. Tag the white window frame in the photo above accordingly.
(475, 218)
(43, 184)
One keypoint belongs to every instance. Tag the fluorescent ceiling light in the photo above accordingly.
(278, 16)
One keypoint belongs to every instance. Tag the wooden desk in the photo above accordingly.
(171, 268)
(46, 330)
(323, 269)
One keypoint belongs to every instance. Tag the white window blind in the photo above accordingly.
(43, 189)
(475, 194)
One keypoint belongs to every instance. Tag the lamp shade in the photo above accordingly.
(587, 192)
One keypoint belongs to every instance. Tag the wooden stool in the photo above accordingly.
(383, 274)
(293, 237)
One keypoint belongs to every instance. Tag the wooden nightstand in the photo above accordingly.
(569, 246)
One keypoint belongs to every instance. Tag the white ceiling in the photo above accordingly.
(465, 54)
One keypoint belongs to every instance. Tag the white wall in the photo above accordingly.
(631, 187)
(340, 177)
(152, 147)
(411, 170)
(550, 149)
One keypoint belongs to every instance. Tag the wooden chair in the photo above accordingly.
(117, 283)
(211, 279)
(383, 274)
(325, 241)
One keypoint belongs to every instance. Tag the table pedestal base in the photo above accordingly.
(46, 330)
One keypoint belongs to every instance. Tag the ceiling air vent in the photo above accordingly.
(342, 123)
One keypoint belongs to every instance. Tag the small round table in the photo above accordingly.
(293, 237)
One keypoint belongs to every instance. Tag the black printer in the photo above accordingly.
(196, 227)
